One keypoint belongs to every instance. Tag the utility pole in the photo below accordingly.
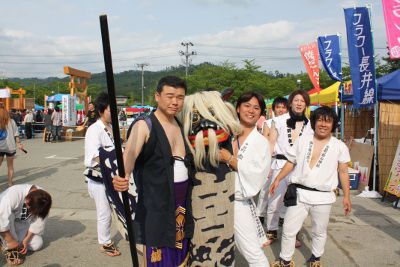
(142, 65)
(187, 54)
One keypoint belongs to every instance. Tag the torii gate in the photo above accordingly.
(9, 103)
(82, 77)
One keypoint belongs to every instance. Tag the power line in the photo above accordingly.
(86, 54)
(187, 54)
(85, 62)
(263, 47)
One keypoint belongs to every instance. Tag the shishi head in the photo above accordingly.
(207, 121)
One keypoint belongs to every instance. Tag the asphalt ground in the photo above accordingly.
(369, 236)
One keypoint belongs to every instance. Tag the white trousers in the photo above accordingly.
(262, 202)
(294, 218)
(18, 230)
(97, 191)
(246, 238)
(276, 208)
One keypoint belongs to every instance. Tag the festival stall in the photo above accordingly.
(325, 97)
(38, 107)
(389, 129)
(359, 121)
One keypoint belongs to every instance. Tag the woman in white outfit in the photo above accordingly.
(285, 130)
(251, 160)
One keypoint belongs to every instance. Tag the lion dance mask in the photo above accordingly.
(209, 124)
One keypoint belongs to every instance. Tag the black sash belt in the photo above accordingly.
(280, 156)
(290, 198)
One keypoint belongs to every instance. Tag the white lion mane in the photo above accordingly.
(224, 115)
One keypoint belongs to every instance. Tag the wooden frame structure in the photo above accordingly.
(78, 83)
(21, 99)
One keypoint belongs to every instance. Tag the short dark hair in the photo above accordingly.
(245, 97)
(301, 92)
(324, 113)
(172, 81)
(279, 101)
(57, 109)
(39, 202)
(102, 102)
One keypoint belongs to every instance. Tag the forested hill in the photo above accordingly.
(205, 75)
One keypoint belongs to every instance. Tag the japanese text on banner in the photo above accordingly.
(329, 51)
(309, 53)
(361, 56)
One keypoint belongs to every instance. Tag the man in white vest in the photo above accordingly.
(316, 160)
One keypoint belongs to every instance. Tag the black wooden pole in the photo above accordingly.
(117, 140)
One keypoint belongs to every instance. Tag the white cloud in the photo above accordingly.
(226, 2)
(10, 33)
(273, 45)
(150, 17)
(250, 35)
(348, 3)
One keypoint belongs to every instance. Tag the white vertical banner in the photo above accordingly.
(68, 110)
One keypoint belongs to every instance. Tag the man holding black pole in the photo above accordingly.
(160, 160)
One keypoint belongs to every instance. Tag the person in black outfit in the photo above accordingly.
(163, 221)
(91, 116)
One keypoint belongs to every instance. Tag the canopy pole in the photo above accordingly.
(342, 111)
(376, 124)
(376, 115)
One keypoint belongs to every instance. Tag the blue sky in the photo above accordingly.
(37, 38)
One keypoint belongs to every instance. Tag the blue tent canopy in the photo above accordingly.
(37, 107)
(388, 87)
(55, 98)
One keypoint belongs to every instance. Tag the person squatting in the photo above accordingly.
(24, 209)
(197, 163)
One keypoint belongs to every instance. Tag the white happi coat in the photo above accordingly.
(254, 161)
(13, 210)
(283, 143)
(324, 174)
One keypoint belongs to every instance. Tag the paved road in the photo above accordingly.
(370, 236)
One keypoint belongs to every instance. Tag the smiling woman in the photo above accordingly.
(249, 107)
(251, 160)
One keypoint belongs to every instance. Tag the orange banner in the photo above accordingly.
(309, 53)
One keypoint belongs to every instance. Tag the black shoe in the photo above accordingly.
(261, 219)
(281, 221)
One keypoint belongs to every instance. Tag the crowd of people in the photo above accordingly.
(27, 121)
(194, 168)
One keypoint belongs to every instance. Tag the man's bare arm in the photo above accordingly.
(345, 182)
(272, 137)
(139, 136)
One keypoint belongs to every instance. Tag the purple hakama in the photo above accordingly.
(178, 256)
